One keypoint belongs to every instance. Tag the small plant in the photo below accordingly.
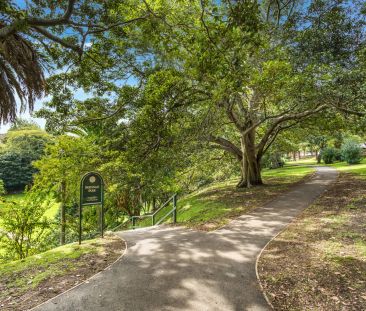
(329, 155)
(351, 152)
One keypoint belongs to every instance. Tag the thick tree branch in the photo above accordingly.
(296, 116)
(226, 145)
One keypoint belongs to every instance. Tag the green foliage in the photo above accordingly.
(2, 188)
(351, 151)
(16, 170)
(23, 227)
(273, 160)
(65, 160)
(329, 154)
(24, 143)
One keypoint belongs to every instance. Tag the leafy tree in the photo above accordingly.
(23, 227)
(60, 171)
(22, 146)
(16, 170)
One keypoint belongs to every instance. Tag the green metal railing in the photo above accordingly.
(155, 220)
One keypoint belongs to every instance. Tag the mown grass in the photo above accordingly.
(357, 169)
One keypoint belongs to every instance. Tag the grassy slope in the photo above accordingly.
(330, 236)
(48, 264)
(26, 283)
(214, 206)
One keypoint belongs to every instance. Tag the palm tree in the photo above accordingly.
(21, 76)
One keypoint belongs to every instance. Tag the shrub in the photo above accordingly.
(272, 160)
(23, 227)
(329, 155)
(2, 188)
(351, 152)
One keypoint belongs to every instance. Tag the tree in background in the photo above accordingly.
(23, 144)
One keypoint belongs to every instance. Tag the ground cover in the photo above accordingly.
(319, 261)
(213, 207)
(28, 282)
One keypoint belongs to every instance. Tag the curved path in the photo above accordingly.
(181, 269)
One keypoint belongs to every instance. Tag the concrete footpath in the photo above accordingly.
(181, 269)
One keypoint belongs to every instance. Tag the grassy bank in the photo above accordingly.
(214, 206)
(319, 261)
(28, 282)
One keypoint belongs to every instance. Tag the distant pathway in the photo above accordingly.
(181, 269)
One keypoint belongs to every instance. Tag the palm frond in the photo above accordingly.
(21, 76)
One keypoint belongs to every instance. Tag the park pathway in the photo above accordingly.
(180, 269)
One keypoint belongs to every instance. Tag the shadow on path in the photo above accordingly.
(181, 269)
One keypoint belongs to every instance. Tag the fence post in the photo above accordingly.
(153, 219)
(133, 222)
(174, 208)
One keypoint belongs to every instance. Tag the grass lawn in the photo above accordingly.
(359, 169)
(319, 261)
(28, 282)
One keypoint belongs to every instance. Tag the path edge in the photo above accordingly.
(88, 279)
(281, 231)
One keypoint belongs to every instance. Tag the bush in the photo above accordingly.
(2, 188)
(272, 160)
(329, 155)
(23, 228)
(351, 152)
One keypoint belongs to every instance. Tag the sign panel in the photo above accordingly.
(91, 189)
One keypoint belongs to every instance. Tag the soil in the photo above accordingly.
(319, 261)
(84, 267)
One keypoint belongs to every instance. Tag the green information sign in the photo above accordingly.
(91, 193)
(92, 189)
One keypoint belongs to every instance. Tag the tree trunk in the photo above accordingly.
(250, 163)
(63, 212)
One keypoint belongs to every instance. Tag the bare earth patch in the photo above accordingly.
(319, 261)
(20, 290)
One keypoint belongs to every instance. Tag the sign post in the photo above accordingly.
(91, 193)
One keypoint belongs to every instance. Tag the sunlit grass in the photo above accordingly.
(28, 273)
(358, 169)
(221, 201)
